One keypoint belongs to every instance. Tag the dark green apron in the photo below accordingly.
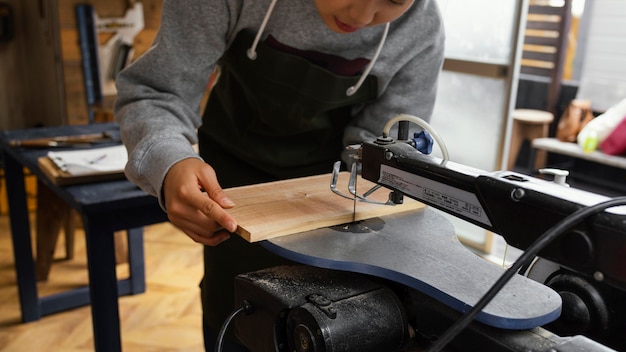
(272, 118)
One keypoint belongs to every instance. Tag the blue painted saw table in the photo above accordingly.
(419, 249)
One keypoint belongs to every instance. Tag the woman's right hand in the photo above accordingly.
(196, 203)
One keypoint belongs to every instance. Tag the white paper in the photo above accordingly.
(88, 161)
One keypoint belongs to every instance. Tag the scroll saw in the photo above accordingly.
(403, 282)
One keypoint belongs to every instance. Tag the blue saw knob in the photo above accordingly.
(423, 142)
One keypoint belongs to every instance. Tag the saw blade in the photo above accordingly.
(354, 203)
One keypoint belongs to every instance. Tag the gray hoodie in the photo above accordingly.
(159, 95)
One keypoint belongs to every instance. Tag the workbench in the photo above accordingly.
(105, 207)
(553, 145)
(610, 170)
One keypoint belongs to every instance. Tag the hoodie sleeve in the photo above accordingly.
(416, 48)
(159, 95)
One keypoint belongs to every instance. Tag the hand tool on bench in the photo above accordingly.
(67, 141)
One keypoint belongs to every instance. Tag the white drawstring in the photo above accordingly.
(252, 50)
(358, 84)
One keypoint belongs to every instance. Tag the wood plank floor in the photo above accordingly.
(167, 317)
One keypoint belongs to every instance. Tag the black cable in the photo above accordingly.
(532, 250)
(245, 307)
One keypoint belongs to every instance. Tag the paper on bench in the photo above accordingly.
(88, 161)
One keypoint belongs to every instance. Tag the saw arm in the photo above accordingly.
(518, 207)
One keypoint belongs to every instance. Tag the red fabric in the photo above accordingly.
(615, 143)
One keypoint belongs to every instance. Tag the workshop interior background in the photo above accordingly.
(41, 68)
(42, 81)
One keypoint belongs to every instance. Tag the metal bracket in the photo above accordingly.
(352, 186)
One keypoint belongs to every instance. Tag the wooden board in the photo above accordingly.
(287, 207)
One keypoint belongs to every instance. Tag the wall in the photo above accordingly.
(41, 81)
(28, 94)
(10, 53)
(603, 77)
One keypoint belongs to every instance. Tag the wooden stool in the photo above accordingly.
(528, 124)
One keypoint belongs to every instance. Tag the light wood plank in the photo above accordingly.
(281, 208)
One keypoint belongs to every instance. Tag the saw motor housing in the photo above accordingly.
(302, 308)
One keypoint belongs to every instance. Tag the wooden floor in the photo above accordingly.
(167, 317)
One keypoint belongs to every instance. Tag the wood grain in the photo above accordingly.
(281, 208)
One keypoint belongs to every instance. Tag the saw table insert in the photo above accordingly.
(281, 208)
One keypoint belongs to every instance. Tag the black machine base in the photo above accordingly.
(303, 308)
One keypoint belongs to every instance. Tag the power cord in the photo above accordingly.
(545, 239)
(246, 307)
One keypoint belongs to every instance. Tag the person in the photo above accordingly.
(294, 82)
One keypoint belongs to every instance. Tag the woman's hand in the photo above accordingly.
(195, 202)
